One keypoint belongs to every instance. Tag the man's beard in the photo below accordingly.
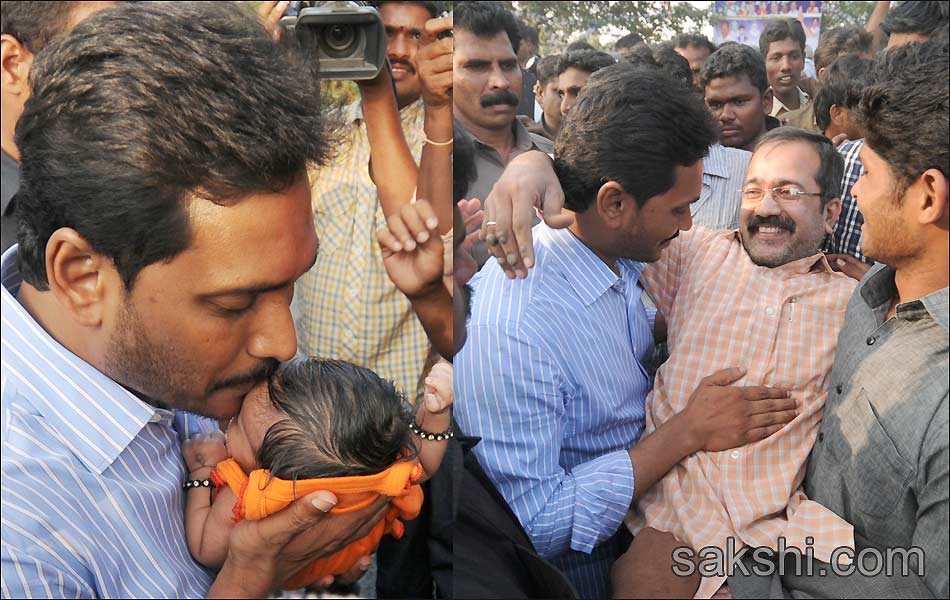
(162, 374)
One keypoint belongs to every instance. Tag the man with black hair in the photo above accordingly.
(782, 44)
(573, 70)
(881, 460)
(164, 217)
(27, 28)
(560, 410)
(696, 48)
(623, 45)
(738, 95)
(486, 93)
(915, 21)
(838, 92)
(547, 102)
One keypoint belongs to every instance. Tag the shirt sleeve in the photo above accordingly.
(509, 392)
(27, 576)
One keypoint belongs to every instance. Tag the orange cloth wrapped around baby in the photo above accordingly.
(260, 495)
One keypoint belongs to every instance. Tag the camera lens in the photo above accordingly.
(340, 41)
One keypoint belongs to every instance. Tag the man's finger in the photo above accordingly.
(387, 241)
(427, 214)
(551, 206)
(724, 376)
(417, 228)
(760, 433)
(433, 27)
(772, 418)
(770, 404)
(762, 392)
(399, 229)
(301, 515)
(355, 572)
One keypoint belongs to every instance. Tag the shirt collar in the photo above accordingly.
(95, 417)
(878, 290)
(778, 105)
(587, 274)
(522, 143)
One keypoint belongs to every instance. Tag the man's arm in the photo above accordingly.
(874, 24)
(509, 394)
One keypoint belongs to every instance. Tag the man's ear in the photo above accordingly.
(933, 203)
(767, 100)
(610, 203)
(79, 278)
(830, 213)
(15, 63)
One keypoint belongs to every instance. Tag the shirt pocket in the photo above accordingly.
(876, 475)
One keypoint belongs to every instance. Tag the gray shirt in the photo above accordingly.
(881, 458)
(489, 167)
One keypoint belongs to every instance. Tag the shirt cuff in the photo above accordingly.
(603, 493)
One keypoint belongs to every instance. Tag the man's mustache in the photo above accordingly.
(402, 63)
(502, 97)
(261, 373)
(771, 221)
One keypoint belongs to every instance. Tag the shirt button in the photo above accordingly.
(735, 454)
(821, 437)
(838, 388)
(770, 311)
(871, 340)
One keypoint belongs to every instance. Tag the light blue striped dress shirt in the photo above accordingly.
(724, 171)
(91, 475)
(559, 402)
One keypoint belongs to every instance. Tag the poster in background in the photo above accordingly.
(743, 22)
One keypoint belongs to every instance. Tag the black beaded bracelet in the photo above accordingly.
(434, 437)
(196, 483)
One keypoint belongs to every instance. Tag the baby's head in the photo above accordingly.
(321, 418)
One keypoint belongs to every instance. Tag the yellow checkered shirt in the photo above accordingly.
(348, 307)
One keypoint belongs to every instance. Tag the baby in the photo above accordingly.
(324, 420)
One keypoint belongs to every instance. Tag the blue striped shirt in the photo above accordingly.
(846, 238)
(724, 171)
(91, 475)
(559, 403)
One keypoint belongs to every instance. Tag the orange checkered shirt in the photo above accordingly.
(781, 324)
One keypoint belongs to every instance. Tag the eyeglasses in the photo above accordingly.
(784, 195)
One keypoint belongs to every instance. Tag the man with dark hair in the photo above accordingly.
(782, 45)
(578, 45)
(696, 48)
(623, 45)
(27, 28)
(486, 93)
(547, 103)
(838, 92)
(915, 21)
(573, 70)
(738, 95)
(164, 216)
(560, 410)
(841, 41)
(881, 460)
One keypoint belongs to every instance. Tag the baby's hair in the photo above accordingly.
(342, 420)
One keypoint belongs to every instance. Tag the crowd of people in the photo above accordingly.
(682, 329)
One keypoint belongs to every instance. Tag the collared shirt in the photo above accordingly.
(10, 185)
(724, 172)
(779, 109)
(489, 167)
(802, 117)
(846, 238)
(781, 324)
(91, 475)
(348, 308)
(881, 461)
(558, 404)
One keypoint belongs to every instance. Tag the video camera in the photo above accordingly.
(347, 38)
